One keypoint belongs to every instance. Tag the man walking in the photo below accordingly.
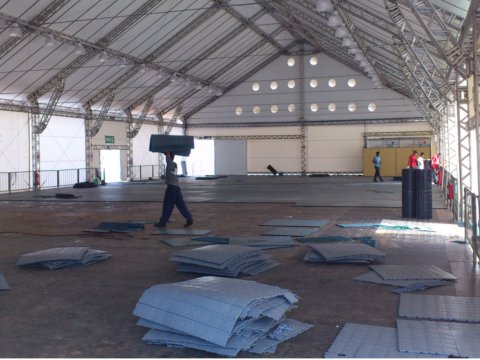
(173, 194)
(412, 160)
(376, 162)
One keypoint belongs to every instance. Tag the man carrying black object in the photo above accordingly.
(173, 194)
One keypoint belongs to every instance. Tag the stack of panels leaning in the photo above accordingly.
(417, 193)
(218, 315)
(223, 260)
(343, 252)
(63, 257)
(407, 278)
(178, 144)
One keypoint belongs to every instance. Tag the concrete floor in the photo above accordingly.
(87, 312)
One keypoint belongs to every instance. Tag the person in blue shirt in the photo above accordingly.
(173, 194)
(377, 160)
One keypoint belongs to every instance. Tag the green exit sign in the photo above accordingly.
(109, 139)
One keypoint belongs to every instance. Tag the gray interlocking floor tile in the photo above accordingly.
(421, 285)
(207, 307)
(185, 231)
(373, 277)
(296, 222)
(263, 242)
(439, 338)
(347, 251)
(411, 272)
(291, 231)
(3, 283)
(439, 307)
(60, 253)
(366, 341)
(183, 242)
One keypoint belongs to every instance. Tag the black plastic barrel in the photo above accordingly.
(408, 193)
(423, 194)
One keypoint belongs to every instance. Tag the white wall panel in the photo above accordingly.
(283, 155)
(14, 142)
(62, 144)
(117, 129)
(230, 157)
(389, 103)
(141, 143)
(244, 131)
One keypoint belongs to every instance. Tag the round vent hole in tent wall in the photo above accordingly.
(352, 82)
(291, 61)
(291, 84)
(238, 110)
(372, 107)
(332, 107)
(313, 83)
(332, 83)
(256, 109)
(313, 60)
(274, 85)
(314, 107)
(255, 86)
(291, 107)
(274, 109)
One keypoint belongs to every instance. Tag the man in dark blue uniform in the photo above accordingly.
(173, 194)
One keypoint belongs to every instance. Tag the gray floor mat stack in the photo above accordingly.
(291, 231)
(367, 341)
(63, 257)
(295, 222)
(223, 260)
(343, 252)
(448, 326)
(118, 227)
(263, 242)
(218, 315)
(408, 278)
(3, 283)
(440, 307)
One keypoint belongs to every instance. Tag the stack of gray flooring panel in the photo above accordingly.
(343, 252)
(218, 315)
(178, 144)
(263, 242)
(447, 326)
(3, 283)
(368, 341)
(407, 278)
(63, 257)
(223, 260)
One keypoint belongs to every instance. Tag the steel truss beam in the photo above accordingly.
(223, 41)
(39, 19)
(438, 32)
(423, 66)
(150, 58)
(91, 129)
(249, 23)
(103, 43)
(256, 137)
(39, 122)
(175, 117)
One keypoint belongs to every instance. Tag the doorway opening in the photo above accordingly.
(111, 165)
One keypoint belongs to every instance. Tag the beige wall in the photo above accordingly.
(329, 148)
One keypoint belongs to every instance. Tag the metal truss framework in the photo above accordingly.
(418, 60)
(103, 43)
(133, 129)
(39, 19)
(150, 58)
(39, 121)
(92, 128)
(257, 137)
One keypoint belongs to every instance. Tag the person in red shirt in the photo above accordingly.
(435, 165)
(412, 160)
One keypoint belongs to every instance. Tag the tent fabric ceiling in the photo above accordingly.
(182, 54)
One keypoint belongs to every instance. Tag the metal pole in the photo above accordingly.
(476, 81)
(58, 179)
(9, 183)
(474, 226)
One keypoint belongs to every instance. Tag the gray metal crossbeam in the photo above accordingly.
(104, 42)
(251, 24)
(154, 54)
(39, 19)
